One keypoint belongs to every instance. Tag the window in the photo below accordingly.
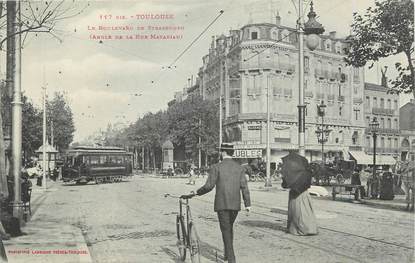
(395, 104)
(340, 110)
(328, 45)
(382, 103)
(254, 35)
(367, 121)
(93, 159)
(357, 113)
(382, 123)
(368, 102)
(368, 142)
(389, 123)
(382, 142)
(356, 77)
(338, 47)
(375, 102)
(274, 34)
(395, 145)
(389, 104)
(395, 124)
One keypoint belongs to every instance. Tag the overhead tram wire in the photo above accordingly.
(191, 44)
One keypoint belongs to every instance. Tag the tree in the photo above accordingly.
(60, 117)
(31, 128)
(385, 30)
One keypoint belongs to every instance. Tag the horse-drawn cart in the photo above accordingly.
(323, 174)
(352, 190)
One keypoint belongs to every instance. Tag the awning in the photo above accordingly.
(363, 158)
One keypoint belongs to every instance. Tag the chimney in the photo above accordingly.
(333, 34)
(384, 79)
(278, 19)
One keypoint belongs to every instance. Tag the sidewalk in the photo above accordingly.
(398, 203)
(47, 240)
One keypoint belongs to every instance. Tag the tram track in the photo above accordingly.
(320, 227)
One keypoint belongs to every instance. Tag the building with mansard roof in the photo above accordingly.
(384, 107)
(239, 69)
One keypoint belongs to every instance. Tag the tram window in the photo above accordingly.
(103, 159)
(93, 159)
(113, 159)
(119, 159)
(78, 160)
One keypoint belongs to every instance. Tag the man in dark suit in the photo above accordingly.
(229, 178)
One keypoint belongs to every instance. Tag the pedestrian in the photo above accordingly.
(229, 178)
(192, 176)
(169, 172)
(296, 173)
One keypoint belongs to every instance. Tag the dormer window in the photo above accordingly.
(274, 34)
(254, 35)
(327, 45)
(284, 36)
(338, 47)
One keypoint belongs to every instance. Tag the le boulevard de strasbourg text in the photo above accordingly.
(140, 26)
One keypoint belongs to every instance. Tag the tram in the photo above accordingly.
(84, 164)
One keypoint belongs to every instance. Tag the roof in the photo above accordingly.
(97, 150)
(363, 158)
(49, 149)
(167, 144)
(376, 87)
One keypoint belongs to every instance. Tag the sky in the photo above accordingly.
(116, 81)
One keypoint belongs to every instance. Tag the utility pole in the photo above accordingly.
(16, 115)
(44, 138)
(301, 106)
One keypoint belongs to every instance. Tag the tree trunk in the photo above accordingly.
(411, 68)
(154, 160)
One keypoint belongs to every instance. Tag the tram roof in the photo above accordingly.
(90, 149)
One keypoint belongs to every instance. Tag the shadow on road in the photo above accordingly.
(264, 224)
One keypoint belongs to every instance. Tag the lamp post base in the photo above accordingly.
(268, 182)
(18, 210)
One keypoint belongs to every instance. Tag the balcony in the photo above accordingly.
(235, 93)
(277, 91)
(384, 131)
(382, 111)
(255, 92)
(308, 94)
(288, 92)
(320, 96)
(355, 148)
(357, 100)
(283, 140)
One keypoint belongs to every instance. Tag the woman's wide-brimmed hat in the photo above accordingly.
(225, 146)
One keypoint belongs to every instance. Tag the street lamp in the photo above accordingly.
(374, 126)
(322, 133)
(312, 29)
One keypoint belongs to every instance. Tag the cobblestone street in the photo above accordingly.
(133, 222)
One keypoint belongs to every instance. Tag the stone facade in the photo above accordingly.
(240, 68)
(378, 103)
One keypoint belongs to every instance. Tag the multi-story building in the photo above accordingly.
(384, 107)
(240, 68)
(407, 127)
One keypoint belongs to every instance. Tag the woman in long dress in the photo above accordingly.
(297, 177)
